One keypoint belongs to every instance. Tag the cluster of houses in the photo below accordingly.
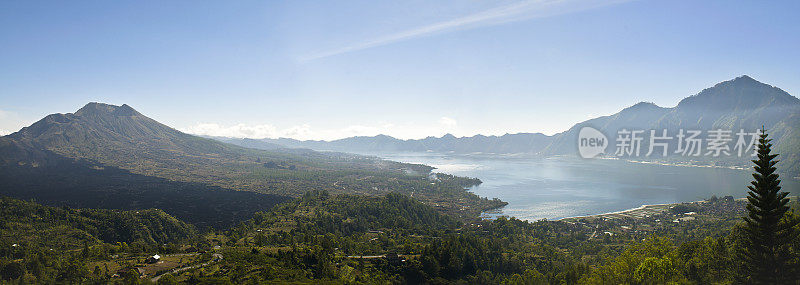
(138, 270)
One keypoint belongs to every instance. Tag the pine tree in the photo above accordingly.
(767, 232)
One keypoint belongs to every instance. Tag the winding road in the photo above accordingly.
(216, 258)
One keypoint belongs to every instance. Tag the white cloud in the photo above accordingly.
(519, 11)
(447, 122)
(235, 131)
(4, 132)
(406, 130)
(401, 131)
(297, 131)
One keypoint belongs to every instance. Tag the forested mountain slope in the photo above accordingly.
(35, 225)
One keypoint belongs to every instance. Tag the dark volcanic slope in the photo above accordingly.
(121, 137)
(105, 156)
(114, 157)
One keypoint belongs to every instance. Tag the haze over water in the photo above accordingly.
(559, 187)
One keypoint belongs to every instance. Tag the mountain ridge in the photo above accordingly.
(446, 143)
(107, 156)
(739, 103)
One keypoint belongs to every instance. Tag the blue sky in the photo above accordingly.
(325, 70)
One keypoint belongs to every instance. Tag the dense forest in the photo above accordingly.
(31, 224)
(180, 209)
(354, 239)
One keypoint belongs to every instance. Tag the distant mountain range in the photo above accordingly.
(740, 103)
(509, 143)
(106, 156)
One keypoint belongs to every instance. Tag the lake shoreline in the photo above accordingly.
(648, 208)
(563, 187)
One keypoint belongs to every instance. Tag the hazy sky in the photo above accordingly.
(410, 69)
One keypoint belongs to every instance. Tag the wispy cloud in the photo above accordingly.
(448, 122)
(519, 11)
(302, 132)
(245, 131)
(403, 130)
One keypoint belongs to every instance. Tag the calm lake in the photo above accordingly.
(559, 187)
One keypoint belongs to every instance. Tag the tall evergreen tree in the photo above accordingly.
(767, 232)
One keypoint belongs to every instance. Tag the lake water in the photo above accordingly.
(559, 187)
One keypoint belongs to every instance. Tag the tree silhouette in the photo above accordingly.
(767, 232)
